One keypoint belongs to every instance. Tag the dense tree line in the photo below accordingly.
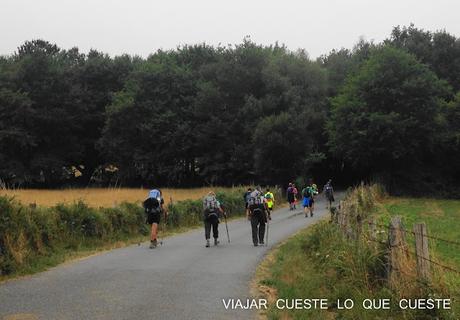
(229, 115)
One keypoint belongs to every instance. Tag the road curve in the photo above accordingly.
(180, 280)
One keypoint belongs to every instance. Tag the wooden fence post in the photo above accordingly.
(373, 228)
(421, 249)
(397, 252)
(338, 214)
(333, 212)
(359, 226)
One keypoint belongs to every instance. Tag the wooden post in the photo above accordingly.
(397, 252)
(373, 228)
(359, 226)
(341, 215)
(333, 212)
(421, 249)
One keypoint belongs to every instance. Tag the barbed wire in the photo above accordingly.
(403, 247)
(418, 256)
(414, 233)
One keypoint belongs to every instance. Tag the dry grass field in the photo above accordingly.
(98, 197)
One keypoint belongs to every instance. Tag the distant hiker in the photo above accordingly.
(307, 194)
(211, 211)
(258, 214)
(296, 192)
(329, 192)
(246, 199)
(315, 193)
(270, 200)
(290, 196)
(153, 207)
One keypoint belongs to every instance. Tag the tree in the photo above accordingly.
(440, 50)
(16, 140)
(147, 131)
(385, 116)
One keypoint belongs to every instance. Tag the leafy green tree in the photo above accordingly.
(16, 140)
(148, 125)
(440, 50)
(385, 116)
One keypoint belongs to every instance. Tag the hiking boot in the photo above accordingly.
(255, 244)
(261, 243)
(311, 214)
(216, 242)
(153, 244)
(207, 243)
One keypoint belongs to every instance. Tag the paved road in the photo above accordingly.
(181, 280)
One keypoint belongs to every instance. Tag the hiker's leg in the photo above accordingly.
(154, 231)
(215, 228)
(261, 229)
(207, 229)
(254, 227)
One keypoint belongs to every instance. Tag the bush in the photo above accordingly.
(30, 233)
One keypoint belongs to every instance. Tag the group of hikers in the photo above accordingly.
(308, 195)
(259, 206)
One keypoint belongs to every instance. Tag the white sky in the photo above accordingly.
(143, 26)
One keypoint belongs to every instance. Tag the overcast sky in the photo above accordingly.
(143, 26)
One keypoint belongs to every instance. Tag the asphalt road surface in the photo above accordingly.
(179, 280)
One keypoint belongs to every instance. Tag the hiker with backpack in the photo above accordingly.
(315, 193)
(290, 196)
(307, 194)
(211, 211)
(329, 192)
(246, 199)
(270, 200)
(296, 192)
(153, 207)
(258, 216)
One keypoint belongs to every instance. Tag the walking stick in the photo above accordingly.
(226, 227)
(163, 225)
(268, 228)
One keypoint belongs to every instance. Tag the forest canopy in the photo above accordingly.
(237, 114)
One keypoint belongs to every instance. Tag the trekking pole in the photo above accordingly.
(268, 228)
(226, 227)
(161, 233)
(163, 225)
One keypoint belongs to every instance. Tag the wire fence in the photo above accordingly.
(416, 233)
(344, 220)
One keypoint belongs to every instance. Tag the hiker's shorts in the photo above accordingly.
(154, 218)
(307, 202)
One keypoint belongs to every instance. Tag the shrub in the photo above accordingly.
(30, 233)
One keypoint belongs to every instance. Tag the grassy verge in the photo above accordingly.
(321, 262)
(442, 218)
(34, 238)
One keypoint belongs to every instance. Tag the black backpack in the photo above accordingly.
(152, 206)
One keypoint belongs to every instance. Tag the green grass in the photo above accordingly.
(320, 262)
(442, 218)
